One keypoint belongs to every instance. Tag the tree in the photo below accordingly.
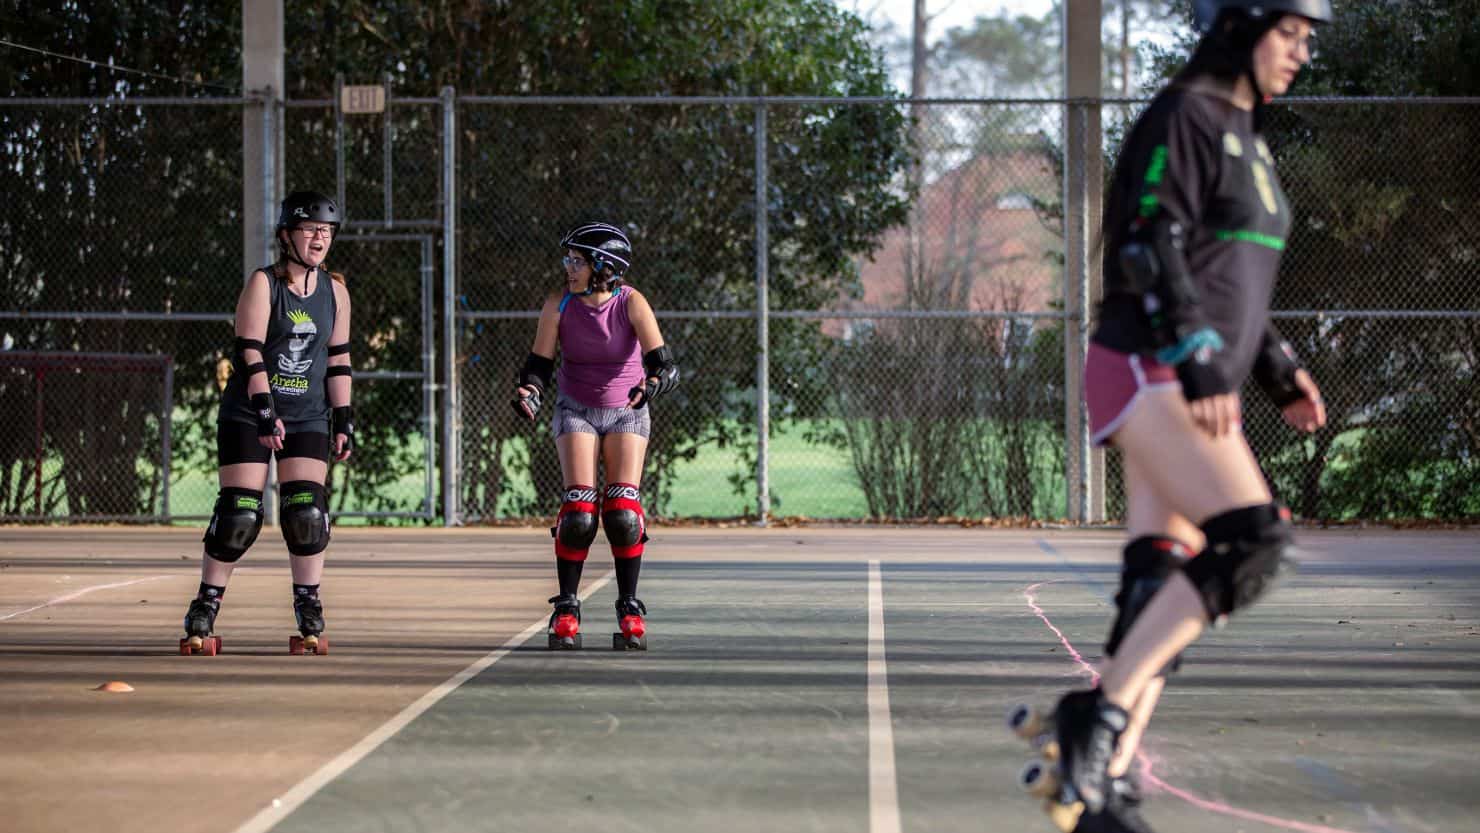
(679, 176)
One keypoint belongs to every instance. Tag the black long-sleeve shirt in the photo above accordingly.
(1194, 158)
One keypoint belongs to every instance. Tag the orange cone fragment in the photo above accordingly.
(115, 685)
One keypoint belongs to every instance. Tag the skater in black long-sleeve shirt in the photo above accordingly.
(1194, 228)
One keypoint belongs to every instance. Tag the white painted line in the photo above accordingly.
(883, 790)
(78, 593)
(301, 792)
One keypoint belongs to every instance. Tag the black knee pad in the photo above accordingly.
(1248, 549)
(1147, 562)
(575, 529)
(622, 515)
(305, 517)
(235, 522)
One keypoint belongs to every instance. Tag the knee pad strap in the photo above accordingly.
(1147, 562)
(626, 525)
(305, 517)
(1247, 551)
(235, 522)
(575, 528)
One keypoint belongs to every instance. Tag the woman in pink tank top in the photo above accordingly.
(613, 363)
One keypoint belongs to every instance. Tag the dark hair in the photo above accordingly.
(1226, 51)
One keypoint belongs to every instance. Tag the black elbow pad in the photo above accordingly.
(537, 372)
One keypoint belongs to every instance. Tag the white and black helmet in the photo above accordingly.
(1206, 12)
(605, 245)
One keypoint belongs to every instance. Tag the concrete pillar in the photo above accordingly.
(1083, 198)
(262, 134)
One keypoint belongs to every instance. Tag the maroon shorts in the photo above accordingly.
(1113, 381)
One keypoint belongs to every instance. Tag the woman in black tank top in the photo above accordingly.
(289, 395)
(1194, 224)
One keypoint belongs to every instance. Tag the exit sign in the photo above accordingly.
(362, 99)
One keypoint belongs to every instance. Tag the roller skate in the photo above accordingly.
(310, 614)
(1077, 744)
(200, 620)
(1122, 813)
(564, 632)
(633, 636)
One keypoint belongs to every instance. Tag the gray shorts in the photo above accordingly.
(573, 417)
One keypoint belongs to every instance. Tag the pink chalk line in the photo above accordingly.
(1145, 762)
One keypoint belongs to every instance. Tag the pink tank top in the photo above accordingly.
(601, 358)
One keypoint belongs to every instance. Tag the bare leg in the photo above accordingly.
(577, 452)
(1195, 476)
(623, 455)
(1148, 515)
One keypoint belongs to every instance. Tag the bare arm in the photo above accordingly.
(253, 307)
(340, 385)
(539, 367)
(548, 332)
(640, 313)
(339, 382)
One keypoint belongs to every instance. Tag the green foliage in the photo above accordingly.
(152, 192)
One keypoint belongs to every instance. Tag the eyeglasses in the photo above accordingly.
(573, 262)
(311, 232)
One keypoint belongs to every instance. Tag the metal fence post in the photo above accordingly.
(762, 325)
(451, 401)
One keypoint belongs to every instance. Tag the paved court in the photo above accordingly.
(824, 679)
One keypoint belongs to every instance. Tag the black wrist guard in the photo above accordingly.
(662, 375)
(1274, 369)
(266, 414)
(343, 420)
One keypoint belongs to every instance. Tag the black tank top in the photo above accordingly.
(296, 352)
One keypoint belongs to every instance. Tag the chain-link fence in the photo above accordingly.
(887, 339)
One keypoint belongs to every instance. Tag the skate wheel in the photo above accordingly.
(1065, 816)
(295, 645)
(184, 647)
(622, 642)
(217, 640)
(1025, 721)
(208, 646)
(565, 643)
(323, 646)
(1039, 778)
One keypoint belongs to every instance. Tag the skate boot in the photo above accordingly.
(564, 632)
(200, 620)
(309, 612)
(1088, 728)
(1122, 813)
(633, 636)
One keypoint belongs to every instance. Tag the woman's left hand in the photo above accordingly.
(343, 445)
(638, 396)
(1308, 413)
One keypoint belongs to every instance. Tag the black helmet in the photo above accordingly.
(1206, 12)
(308, 206)
(605, 244)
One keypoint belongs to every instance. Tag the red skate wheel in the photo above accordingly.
(295, 645)
(323, 646)
(208, 647)
(185, 647)
(217, 640)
